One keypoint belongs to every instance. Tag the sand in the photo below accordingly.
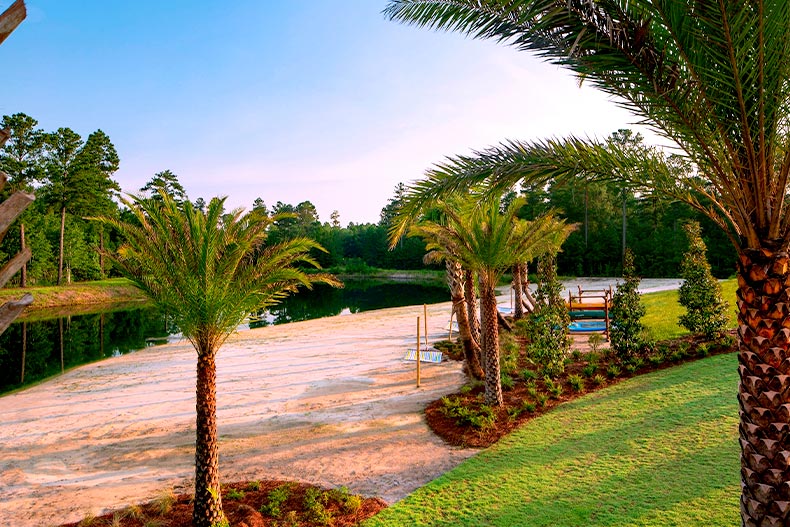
(328, 401)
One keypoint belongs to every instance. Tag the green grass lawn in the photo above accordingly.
(656, 450)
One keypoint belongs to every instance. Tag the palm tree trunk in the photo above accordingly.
(764, 362)
(488, 314)
(471, 312)
(518, 308)
(60, 250)
(208, 501)
(471, 348)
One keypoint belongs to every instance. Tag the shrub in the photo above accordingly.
(700, 293)
(627, 312)
(554, 388)
(589, 370)
(254, 485)
(599, 380)
(506, 381)
(528, 374)
(235, 494)
(613, 370)
(314, 508)
(481, 417)
(576, 382)
(548, 325)
(275, 500)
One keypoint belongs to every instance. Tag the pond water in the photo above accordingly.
(33, 351)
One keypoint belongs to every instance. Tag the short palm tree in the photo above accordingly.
(208, 271)
(488, 242)
(711, 76)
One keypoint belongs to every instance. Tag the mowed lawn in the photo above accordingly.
(656, 450)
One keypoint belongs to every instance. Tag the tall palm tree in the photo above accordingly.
(208, 271)
(488, 242)
(710, 76)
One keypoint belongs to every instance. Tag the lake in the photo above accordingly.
(33, 351)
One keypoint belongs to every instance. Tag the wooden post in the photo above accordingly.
(418, 352)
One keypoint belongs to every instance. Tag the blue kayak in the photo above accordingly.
(587, 325)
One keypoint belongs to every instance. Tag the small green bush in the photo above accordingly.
(314, 509)
(507, 381)
(576, 382)
(275, 500)
(528, 374)
(588, 370)
(599, 380)
(613, 370)
(235, 494)
(700, 293)
(481, 417)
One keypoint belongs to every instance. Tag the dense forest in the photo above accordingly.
(72, 178)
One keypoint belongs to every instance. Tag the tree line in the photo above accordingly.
(72, 178)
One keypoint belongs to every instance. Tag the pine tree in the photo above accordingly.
(700, 294)
(627, 312)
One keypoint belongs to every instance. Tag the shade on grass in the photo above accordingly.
(656, 450)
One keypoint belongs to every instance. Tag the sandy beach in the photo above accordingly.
(328, 401)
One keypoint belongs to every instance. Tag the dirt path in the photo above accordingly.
(326, 401)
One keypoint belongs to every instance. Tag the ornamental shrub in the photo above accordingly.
(548, 325)
(627, 312)
(700, 294)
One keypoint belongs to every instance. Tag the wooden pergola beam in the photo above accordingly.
(11, 18)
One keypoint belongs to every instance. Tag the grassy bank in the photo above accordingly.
(102, 292)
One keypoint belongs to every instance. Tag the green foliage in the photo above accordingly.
(627, 312)
(700, 294)
(275, 500)
(548, 325)
(576, 382)
(314, 507)
(613, 370)
(235, 494)
(599, 380)
(507, 381)
(588, 370)
(478, 416)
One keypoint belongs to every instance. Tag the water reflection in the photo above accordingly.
(32, 351)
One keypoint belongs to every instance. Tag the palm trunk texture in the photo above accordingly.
(488, 314)
(455, 279)
(208, 501)
(764, 387)
(471, 311)
(518, 305)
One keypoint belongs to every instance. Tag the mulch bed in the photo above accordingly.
(243, 509)
(508, 418)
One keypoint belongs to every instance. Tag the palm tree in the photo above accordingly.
(711, 77)
(208, 271)
(488, 242)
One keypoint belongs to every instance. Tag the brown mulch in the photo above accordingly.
(508, 417)
(243, 509)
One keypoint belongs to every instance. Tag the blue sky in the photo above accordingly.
(287, 100)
